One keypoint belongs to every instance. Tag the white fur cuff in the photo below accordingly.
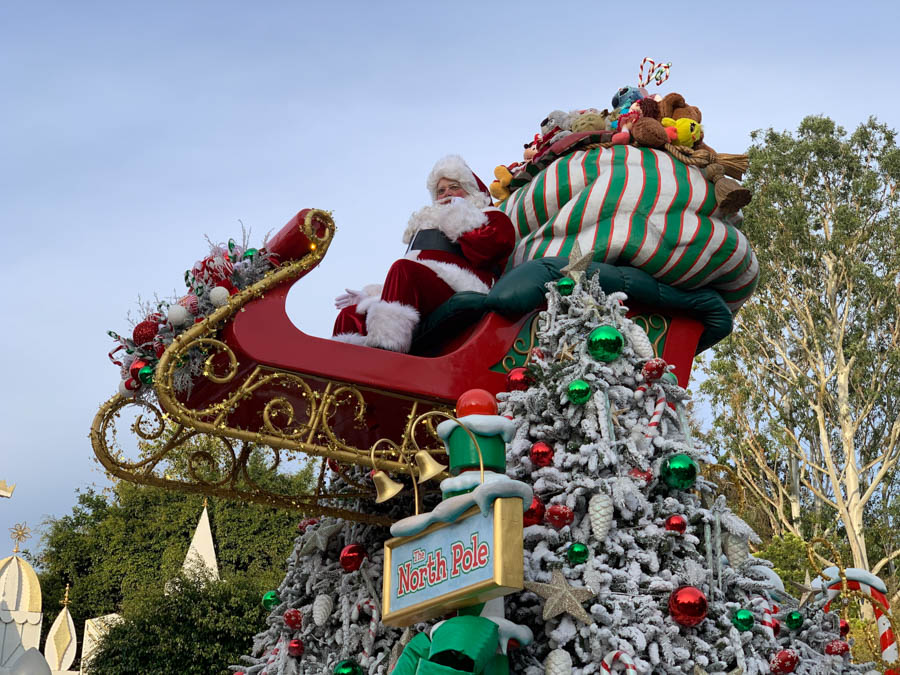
(390, 325)
(350, 338)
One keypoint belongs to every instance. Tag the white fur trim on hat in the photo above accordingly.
(390, 325)
(454, 219)
(456, 277)
(455, 168)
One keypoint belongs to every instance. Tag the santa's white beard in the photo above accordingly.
(458, 216)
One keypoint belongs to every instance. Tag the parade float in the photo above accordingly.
(573, 529)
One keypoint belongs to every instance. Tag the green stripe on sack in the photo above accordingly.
(649, 195)
(563, 195)
(611, 200)
(574, 224)
(669, 237)
(540, 209)
(691, 253)
(738, 270)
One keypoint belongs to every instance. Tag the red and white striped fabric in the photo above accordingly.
(889, 651)
(621, 658)
(638, 207)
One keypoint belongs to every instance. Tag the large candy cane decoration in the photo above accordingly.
(620, 657)
(868, 583)
(369, 641)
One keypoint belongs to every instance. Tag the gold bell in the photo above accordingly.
(429, 467)
(385, 486)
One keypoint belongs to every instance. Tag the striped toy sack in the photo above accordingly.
(634, 206)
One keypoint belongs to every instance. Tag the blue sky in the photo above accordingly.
(129, 131)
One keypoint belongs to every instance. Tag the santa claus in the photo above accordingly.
(459, 243)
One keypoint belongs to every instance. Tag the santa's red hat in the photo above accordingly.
(455, 168)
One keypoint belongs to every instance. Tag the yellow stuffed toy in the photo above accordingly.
(684, 132)
(499, 189)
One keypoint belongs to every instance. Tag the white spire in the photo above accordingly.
(201, 556)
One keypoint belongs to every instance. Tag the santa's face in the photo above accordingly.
(447, 188)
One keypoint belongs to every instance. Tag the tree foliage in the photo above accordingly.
(806, 392)
(118, 550)
(200, 626)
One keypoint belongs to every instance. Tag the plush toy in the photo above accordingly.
(499, 188)
(684, 132)
(531, 148)
(555, 127)
(628, 95)
(673, 105)
(591, 121)
(649, 133)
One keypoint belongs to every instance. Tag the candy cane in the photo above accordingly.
(769, 610)
(621, 657)
(658, 410)
(888, 640)
(372, 609)
(658, 72)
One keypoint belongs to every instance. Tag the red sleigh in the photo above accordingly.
(267, 383)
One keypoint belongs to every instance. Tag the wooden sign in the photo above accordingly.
(452, 565)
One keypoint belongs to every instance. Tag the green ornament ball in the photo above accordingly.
(348, 667)
(249, 253)
(579, 392)
(679, 472)
(271, 600)
(605, 343)
(145, 374)
(794, 620)
(577, 553)
(565, 286)
(743, 619)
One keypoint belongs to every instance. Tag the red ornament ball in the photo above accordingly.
(784, 661)
(654, 369)
(541, 454)
(845, 628)
(352, 557)
(676, 523)
(293, 619)
(837, 647)
(334, 465)
(306, 522)
(295, 648)
(535, 512)
(559, 516)
(132, 384)
(135, 368)
(518, 379)
(476, 402)
(688, 606)
(144, 332)
(645, 476)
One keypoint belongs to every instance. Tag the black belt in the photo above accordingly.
(434, 240)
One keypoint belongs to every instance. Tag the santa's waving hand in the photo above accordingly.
(458, 243)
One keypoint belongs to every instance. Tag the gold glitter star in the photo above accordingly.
(561, 598)
(614, 415)
(578, 262)
(565, 353)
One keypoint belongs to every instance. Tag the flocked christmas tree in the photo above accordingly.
(631, 561)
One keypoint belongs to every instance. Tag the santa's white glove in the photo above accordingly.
(352, 297)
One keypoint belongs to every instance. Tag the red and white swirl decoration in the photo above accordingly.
(618, 657)
(860, 580)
